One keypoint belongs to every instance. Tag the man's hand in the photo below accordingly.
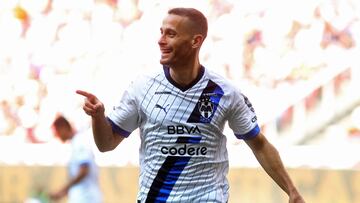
(92, 105)
(59, 194)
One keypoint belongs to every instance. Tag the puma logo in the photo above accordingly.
(163, 108)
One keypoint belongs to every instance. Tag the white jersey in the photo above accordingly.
(183, 155)
(88, 189)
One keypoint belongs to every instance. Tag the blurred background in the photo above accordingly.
(297, 61)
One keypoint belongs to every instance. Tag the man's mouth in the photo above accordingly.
(165, 51)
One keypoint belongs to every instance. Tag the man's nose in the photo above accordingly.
(161, 40)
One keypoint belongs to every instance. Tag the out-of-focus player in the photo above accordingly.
(83, 185)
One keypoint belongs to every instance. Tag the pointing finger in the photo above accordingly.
(85, 94)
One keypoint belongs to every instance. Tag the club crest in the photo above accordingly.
(206, 107)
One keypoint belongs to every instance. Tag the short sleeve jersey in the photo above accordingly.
(183, 155)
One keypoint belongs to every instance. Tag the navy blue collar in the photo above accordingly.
(183, 88)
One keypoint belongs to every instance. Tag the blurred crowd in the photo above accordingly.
(49, 48)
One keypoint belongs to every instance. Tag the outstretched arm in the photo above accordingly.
(104, 137)
(270, 160)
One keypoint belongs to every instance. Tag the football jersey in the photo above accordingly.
(88, 189)
(183, 155)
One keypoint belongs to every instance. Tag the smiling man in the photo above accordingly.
(181, 111)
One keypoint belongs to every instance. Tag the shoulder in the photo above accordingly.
(232, 91)
(140, 84)
(82, 138)
(225, 84)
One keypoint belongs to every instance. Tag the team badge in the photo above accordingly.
(206, 107)
(207, 104)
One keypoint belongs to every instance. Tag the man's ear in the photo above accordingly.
(197, 41)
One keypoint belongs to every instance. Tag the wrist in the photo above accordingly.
(293, 192)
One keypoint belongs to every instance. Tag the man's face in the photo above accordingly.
(61, 133)
(175, 41)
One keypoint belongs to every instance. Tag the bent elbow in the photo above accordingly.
(103, 148)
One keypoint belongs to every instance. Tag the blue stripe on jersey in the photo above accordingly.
(251, 134)
(208, 102)
(84, 163)
(183, 139)
(166, 177)
(169, 173)
(117, 129)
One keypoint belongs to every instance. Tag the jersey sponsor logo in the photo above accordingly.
(182, 129)
(162, 108)
(185, 146)
(184, 150)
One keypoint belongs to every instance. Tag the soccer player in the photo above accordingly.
(83, 186)
(181, 111)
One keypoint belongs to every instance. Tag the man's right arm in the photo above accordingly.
(104, 137)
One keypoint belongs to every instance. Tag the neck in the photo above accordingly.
(184, 75)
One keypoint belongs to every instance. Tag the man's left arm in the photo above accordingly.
(269, 158)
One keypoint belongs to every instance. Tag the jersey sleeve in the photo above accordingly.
(242, 119)
(124, 116)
